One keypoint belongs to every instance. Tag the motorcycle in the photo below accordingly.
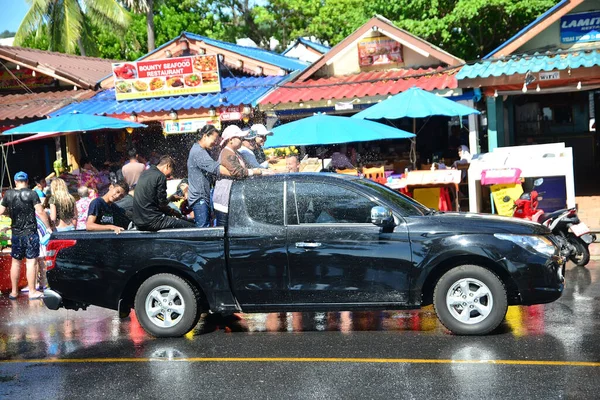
(574, 235)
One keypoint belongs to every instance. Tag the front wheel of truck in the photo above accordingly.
(167, 306)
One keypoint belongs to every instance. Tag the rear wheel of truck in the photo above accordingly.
(167, 306)
(470, 300)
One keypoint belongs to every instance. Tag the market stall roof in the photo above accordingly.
(363, 84)
(324, 129)
(286, 63)
(40, 104)
(235, 91)
(85, 72)
(537, 62)
(538, 25)
(318, 47)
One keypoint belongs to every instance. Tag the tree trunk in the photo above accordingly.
(150, 25)
(81, 48)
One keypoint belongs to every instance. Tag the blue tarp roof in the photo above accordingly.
(289, 64)
(235, 91)
(321, 48)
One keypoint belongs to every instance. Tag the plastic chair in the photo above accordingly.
(375, 174)
(348, 171)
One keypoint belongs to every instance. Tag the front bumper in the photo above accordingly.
(543, 283)
(52, 299)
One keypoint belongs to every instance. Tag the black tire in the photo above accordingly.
(582, 256)
(498, 301)
(187, 299)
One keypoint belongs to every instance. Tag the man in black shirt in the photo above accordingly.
(104, 214)
(23, 203)
(150, 203)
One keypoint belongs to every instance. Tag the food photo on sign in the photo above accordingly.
(379, 50)
(167, 77)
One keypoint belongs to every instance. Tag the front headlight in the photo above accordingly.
(534, 244)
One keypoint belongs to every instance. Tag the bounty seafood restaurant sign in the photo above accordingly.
(580, 27)
(168, 77)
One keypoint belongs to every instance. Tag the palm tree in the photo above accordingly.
(146, 7)
(68, 22)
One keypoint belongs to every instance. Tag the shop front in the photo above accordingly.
(541, 87)
(378, 61)
(185, 84)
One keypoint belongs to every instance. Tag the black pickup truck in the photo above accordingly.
(312, 242)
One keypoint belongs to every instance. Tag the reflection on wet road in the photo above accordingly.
(552, 350)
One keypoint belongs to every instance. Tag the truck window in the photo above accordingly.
(320, 203)
(264, 201)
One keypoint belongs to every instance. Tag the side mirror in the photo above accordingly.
(382, 216)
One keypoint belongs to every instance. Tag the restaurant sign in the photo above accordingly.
(168, 77)
(580, 27)
(380, 50)
(14, 79)
(191, 125)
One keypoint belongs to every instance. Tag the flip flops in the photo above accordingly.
(11, 297)
(37, 297)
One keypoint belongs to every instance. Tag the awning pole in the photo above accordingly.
(413, 146)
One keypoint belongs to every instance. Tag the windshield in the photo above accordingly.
(408, 206)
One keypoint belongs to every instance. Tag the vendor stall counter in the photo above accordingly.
(533, 161)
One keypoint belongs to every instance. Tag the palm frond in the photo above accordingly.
(72, 25)
(137, 6)
(109, 12)
(33, 20)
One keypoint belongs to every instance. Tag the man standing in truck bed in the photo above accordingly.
(151, 211)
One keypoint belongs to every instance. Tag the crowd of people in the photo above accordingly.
(135, 197)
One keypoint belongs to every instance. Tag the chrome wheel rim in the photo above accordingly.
(165, 306)
(469, 301)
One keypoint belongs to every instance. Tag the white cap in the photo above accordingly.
(232, 131)
(260, 130)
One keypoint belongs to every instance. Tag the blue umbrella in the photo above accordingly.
(73, 122)
(415, 103)
(324, 129)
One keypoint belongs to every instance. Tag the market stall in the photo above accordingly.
(553, 162)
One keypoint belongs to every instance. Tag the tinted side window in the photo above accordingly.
(264, 201)
(320, 203)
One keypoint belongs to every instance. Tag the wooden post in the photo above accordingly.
(73, 152)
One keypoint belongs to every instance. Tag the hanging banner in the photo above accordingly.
(9, 80)
(168, 77)
(190, 125)
(379, 50)
(580, 27)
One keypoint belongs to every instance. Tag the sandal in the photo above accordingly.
(37, 297)
(10, 296)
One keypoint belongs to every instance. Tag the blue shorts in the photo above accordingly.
(26, 246)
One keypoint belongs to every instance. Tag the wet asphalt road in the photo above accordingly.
(543, 352)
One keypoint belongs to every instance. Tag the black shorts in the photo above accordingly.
(26, 246)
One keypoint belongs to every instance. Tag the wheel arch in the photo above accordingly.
(127, 297)
(446, 265)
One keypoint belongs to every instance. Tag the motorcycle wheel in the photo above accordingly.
(582, 252)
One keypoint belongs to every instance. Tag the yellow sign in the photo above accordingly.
(505, 196)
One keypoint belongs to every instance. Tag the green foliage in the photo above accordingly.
(7, 34)
(468, 29)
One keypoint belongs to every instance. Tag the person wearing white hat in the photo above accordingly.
(261, 133)
(231, 159)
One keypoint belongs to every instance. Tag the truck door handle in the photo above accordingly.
(308, 245)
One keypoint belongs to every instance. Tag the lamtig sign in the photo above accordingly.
(168, 77)
(580, 27)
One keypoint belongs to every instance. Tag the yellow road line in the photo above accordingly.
(309, 360)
